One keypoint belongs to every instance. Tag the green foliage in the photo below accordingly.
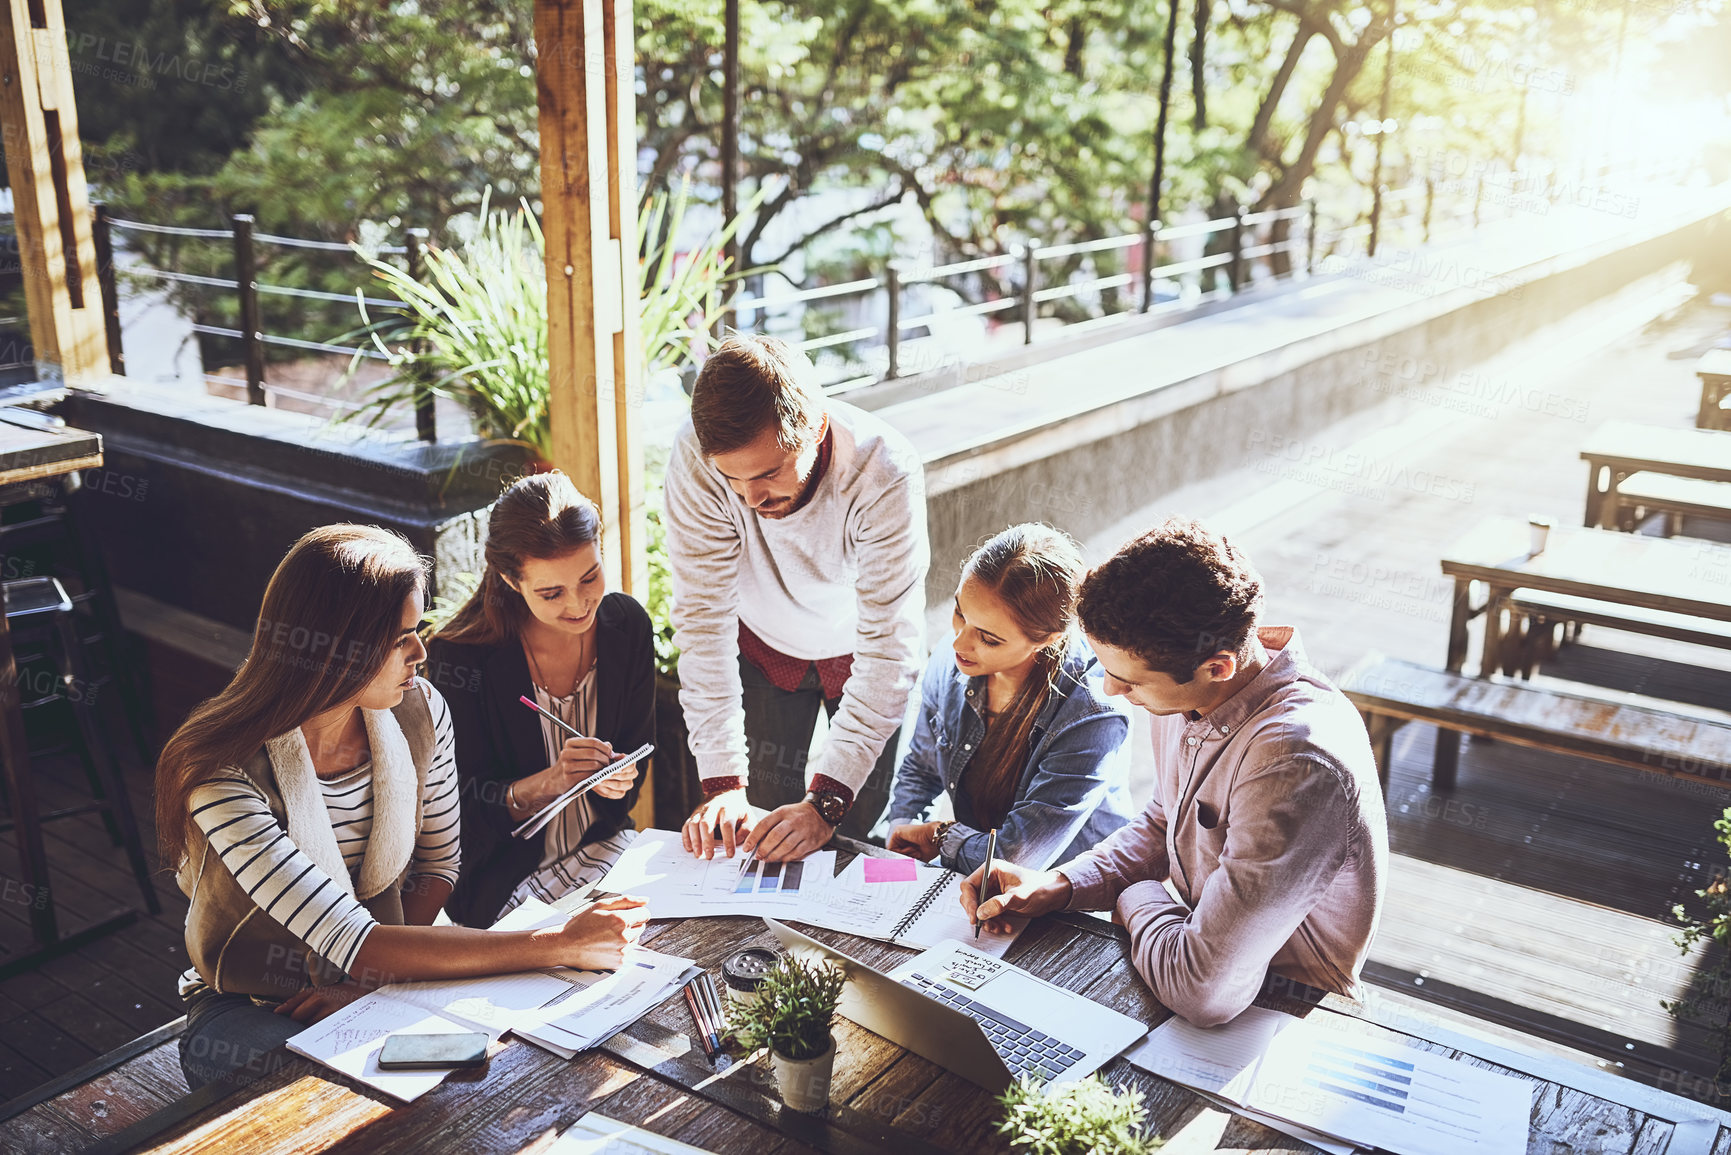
(475, 330)
(1712, 927)
(1087, 1117)
(794, 1008)
(476, 322)
(445, 607)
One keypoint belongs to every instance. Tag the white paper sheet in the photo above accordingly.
(597, 1134)
(1325, 1078)
(489, 1004)
(680, 885)
(1384, 1092)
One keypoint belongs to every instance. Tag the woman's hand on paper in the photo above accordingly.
(720, 823)
(1016, 890)
(310, 1004)
(595, 938)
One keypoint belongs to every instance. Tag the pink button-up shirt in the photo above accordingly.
(1268, 822)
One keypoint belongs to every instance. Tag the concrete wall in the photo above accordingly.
(1210, 424)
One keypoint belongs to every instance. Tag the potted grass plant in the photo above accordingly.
(1086, 1117)
(791, 1017)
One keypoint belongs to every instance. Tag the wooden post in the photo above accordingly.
(51, 205)
(1310, 240)
(893, 330)
(1235, 267)
(251, 323)
(1028, 303)
(584, 92)
(103, 234)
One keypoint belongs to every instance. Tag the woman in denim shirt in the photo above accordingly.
(1014, 721)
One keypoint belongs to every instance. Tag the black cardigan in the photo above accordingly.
(499, 740)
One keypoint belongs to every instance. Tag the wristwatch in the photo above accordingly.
(830, 807)
(939, 830)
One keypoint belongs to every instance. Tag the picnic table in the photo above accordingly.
(1674, 576)
(1619, 449)
(883, 1098)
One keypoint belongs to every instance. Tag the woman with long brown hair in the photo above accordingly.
(1014, 721)
(542, 625)
(311, 810)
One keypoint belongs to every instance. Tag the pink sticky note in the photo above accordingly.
(891, 870)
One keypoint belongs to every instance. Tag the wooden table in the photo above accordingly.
(1675, 574)
(1714, 369)
(1618, 448)
(884, 1099)
(34, 452)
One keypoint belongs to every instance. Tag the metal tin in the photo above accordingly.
(743, 970)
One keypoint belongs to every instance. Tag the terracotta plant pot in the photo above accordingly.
(804, 1083)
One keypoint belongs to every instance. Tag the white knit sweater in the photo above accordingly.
(843, 575)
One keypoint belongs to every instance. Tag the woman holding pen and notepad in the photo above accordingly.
(541, 626)
(311, 811)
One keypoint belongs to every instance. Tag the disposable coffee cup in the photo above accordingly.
(1540, 528)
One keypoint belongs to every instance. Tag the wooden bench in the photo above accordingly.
(1533, 640)
(1390, 692)
(1645, 493)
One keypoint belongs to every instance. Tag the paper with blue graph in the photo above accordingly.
(1326, 1075)
(680, 885)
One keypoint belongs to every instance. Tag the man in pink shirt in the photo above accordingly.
(1265, 844)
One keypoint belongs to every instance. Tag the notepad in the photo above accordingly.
(533, 824)
(915, 905)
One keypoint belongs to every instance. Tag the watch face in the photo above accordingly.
(830, 807)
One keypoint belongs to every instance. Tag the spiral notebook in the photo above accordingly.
(903, 901)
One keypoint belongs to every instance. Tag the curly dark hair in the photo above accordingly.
(1174, 597)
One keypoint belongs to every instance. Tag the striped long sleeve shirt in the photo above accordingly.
(286, 884)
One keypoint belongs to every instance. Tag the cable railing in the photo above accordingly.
(251, 335)
(867, 328)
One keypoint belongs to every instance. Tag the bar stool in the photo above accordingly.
(40, 612)
(73, 556)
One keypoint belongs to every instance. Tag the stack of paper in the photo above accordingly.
(1337, 1087)
(563, 1010)
(598, 1134)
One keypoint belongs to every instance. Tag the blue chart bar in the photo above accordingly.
(1348, 1093)
(771, 878)
(747, 880)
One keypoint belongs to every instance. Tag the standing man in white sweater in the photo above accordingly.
(796, 531)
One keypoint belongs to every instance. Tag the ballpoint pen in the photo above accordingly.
(717, 1019)
(557, 720)
(986, 878)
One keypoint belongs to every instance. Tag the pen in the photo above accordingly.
(697, 1017)
(986, 878)
(560, 722)
(713, 1001)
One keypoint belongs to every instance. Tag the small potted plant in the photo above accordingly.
(791, 1016)
(1086, 1117)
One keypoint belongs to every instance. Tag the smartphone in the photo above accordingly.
(409, 1052)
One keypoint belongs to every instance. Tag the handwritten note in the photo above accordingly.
(891, 870)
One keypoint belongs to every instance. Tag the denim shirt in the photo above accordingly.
(1074, 790)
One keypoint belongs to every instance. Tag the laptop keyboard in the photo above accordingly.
(1024, 1050)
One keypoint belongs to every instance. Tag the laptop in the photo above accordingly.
(981, 1017)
